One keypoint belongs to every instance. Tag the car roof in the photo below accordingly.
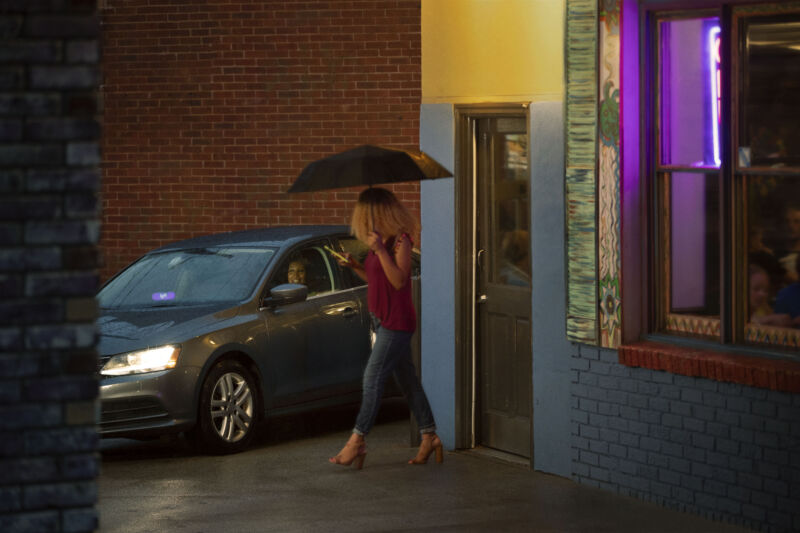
(277, 236)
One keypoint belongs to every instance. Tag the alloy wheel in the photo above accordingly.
(232, 407)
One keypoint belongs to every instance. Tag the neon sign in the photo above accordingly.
(716, 87)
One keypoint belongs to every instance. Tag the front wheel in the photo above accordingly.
(228, 409)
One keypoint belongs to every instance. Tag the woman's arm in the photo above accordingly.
(398, 270)
(359, 270)
(357, 267)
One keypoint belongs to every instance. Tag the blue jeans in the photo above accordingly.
(392, 353)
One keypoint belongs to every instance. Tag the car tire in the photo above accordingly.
(229, 409)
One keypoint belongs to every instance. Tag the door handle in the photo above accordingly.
(348, 312)
(340, 310)
(479, 267)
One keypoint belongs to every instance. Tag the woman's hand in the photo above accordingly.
(349, 262)
(396, 264)
(356, 267)
(374, 241)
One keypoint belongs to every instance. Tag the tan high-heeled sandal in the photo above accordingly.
(435, 445)
(347, 459)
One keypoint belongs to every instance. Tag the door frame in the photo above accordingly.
(465, 231)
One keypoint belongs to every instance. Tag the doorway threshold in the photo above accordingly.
(499, 456)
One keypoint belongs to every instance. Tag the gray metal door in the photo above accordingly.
(503, 283)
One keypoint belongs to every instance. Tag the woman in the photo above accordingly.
(296, 272)
(380, 221)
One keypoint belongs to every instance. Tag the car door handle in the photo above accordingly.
(340, 310)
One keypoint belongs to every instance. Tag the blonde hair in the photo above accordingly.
(379, 209)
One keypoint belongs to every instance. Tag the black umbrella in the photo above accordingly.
(367, 165)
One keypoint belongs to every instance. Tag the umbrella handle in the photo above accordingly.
(371, 215)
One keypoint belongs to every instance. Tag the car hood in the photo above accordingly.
(128, 330)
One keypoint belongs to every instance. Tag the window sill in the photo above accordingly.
(776, 374)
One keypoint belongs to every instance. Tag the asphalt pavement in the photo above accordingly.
(284, 483)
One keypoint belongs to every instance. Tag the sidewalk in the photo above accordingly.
(284, 484)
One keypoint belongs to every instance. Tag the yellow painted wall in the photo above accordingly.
(492, 50)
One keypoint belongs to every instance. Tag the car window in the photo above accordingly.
(359, 251)
(187, 277)
(309, 266)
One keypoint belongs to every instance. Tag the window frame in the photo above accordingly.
(652, 272)
(337, 278)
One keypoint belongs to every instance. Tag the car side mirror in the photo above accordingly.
(285, 294)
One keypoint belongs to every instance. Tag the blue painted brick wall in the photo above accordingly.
(49, 139)
(725, 451)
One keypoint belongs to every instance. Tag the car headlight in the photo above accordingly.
(152, 360)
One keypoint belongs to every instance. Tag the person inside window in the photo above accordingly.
(790, 247)
(308, 267)
(759, 286)
(788, 299)
(755, 240)
(296, 272)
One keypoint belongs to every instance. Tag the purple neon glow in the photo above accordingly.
(714, 69)
(161, 296)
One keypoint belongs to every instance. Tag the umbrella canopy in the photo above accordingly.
(367, 165)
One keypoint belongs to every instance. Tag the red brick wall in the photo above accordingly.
(211, 110)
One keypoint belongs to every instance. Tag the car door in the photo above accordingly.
(289, 328)
(340, 340)
(354, 360)
(315, 342)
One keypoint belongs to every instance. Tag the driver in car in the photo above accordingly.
(297, 272)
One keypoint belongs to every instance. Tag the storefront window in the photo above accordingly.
(690, 88)
(770, 131)
(727, 234)
(773, 251)
(694, 244)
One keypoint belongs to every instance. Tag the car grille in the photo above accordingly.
(115, 414)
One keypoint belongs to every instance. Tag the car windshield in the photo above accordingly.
(187, 277)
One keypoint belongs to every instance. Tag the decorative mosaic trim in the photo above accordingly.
(609, 175)
(694, 325)
(783, 337)
(580, 164)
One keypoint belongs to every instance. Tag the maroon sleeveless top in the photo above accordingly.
(394, 307)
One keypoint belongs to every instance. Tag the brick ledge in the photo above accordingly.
(763, 372)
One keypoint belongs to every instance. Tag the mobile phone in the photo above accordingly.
(336, 254)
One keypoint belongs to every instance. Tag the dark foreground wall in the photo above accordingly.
(48, 233)
(726, 451)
